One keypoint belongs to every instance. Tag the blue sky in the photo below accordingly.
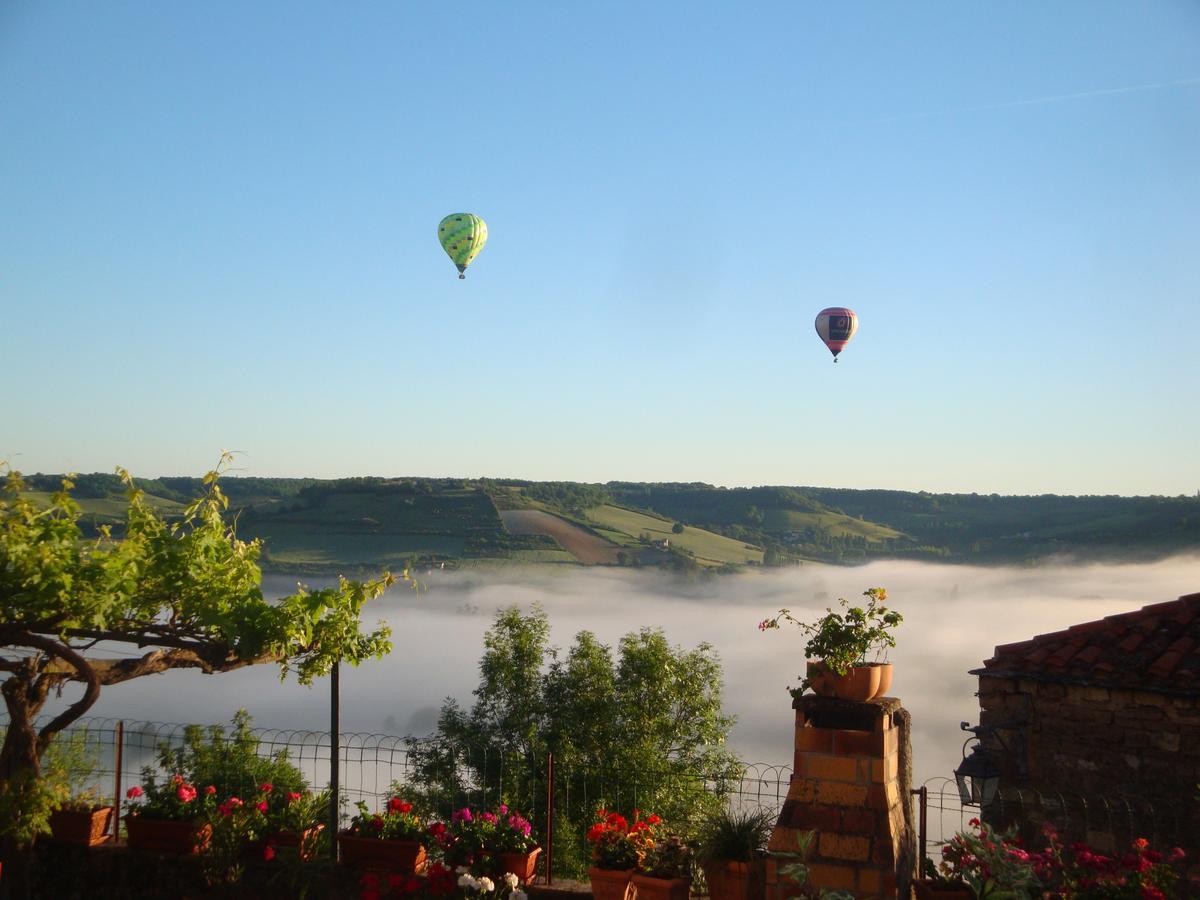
(217, 230)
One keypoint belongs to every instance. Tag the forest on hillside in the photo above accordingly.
(325, 525)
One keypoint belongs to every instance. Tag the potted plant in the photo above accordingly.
(940, 884)
(614, 857)
(70, 763)
(839, 644)
(513, 845)
(83, 819)
(466, 841)
(732, 850)
(663, 867)
(983, 863)
(294, 819)
(394, 839)
(171, 816)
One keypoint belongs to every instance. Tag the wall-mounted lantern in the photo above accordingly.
(978, 775)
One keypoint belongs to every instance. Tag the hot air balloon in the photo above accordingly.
(836, 325)
(462, 236)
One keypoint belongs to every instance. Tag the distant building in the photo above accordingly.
(1107, 710)
(662, 544)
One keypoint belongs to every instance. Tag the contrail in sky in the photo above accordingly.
(1037, 101)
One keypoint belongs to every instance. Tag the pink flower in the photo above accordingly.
(210, 790)
(502, 809)
(293, 797)
(176, 779)
(134, 791)
(261, 806)
(462, 815)
(186, 793)
(226, 809)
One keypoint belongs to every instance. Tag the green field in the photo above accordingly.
(777, 520)
(704, 545)
(107, 510)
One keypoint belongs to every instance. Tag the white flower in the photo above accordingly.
(511, 880)
(486, 884)
(468, 881)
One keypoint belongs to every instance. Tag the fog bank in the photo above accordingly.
(954, 616)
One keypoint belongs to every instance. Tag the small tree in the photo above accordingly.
(184, 591)
(641, 726)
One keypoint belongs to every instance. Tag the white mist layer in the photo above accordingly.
(953, 618)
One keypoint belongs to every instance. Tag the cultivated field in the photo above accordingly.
(706, 546)
(585, 547)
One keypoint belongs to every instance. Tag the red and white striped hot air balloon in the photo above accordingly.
(836, 325)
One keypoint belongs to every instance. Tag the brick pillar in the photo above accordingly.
(849, 787)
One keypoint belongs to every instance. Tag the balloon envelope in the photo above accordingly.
(462, 236)
(836, 325)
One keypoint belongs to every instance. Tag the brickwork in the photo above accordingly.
(1098, 741)
(846, 790)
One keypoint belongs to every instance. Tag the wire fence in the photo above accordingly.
(108, 755)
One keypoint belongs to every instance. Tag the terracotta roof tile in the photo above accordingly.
(1155, 648)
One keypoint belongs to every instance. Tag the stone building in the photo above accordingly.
(1100, 723)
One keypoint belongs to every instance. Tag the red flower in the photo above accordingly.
(176, 779)
(261, 806)
(377, 823)
(293, 797)
(186, 793)
(268, 853)
(210, 790)
(266, 788)
(396, 805)
(653, 819)
(1141, 844)
(134, 791)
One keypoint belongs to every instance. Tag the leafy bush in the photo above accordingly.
(231, 763)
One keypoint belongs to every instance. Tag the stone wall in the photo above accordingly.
(1098, 742)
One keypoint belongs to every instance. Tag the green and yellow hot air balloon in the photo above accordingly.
(462, 236)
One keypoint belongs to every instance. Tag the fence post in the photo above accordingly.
(334, 740)
(923, 830)
(549, 819)
(118, 758)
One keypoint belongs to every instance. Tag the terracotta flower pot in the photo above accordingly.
(523, 865)
(612, 884)
(406, 857)
(819, 678)
(928, 889)
(860, 683)
(648, 888)
(88, 827)
(729, 880)
(165, 836)
(885, 679)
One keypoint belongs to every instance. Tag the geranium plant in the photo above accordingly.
(994, 864)
(844, 639)
(292, 811)
(397, 822)
(174, 799)
(1140, 873)
(614, 844)
(990, 864)
(513, 834)
(468, 835)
